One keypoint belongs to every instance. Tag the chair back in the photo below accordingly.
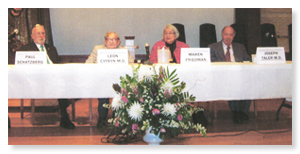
(207, 33)
(268, 35)
(180, 28)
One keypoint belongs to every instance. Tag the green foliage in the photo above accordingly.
(153, 99)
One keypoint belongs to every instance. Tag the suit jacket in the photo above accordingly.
(51, 51)
(177, 51)
(217, 52)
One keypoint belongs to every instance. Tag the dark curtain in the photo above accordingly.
(250, 18)
(24, 22)
(42, 17)
(27, 20)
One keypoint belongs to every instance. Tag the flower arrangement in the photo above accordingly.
(149, 99)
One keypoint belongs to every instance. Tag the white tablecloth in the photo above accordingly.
(218, 81)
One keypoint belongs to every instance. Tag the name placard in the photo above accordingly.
(30, 58)
(270, 55)
(112, 56)
(195, 56)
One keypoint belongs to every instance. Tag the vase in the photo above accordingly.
(151, 138)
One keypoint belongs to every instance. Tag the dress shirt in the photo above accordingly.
(230, 50)
(45, 50)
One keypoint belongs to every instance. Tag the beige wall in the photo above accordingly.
(281, 18)
(77, 30)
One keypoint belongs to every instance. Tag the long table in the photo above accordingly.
(217, 81)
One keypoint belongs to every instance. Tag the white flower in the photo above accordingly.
(168, 109)
(117, 102)
(135, 111)
(146, 72)
(168, 85)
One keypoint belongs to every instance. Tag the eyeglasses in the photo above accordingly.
(112, 40)
(165, 33)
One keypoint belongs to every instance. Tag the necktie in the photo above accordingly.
(227, 55)
(42, 49)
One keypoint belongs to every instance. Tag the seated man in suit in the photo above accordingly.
(38, 35)
(112, 41)
(228, 51)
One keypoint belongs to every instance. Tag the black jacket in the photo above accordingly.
(51, 51)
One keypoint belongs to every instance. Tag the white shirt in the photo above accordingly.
(230, 50)
(45, 50)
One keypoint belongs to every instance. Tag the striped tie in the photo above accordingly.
(227, 55)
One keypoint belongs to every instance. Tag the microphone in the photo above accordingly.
(147, 50)
(10, 36)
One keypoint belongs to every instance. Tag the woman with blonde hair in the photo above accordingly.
(169, 39)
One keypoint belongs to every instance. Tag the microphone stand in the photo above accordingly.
(147, 62)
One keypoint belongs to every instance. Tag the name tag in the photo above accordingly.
(30, 58)
(195, 56)
(270, 55)
(112, 56)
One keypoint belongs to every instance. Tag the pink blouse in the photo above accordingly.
(179, 45)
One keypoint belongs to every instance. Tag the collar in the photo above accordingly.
(225, 46)
(118, 47)
(39, 45)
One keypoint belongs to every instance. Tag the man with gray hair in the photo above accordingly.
(112, 41)
(38, 36)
